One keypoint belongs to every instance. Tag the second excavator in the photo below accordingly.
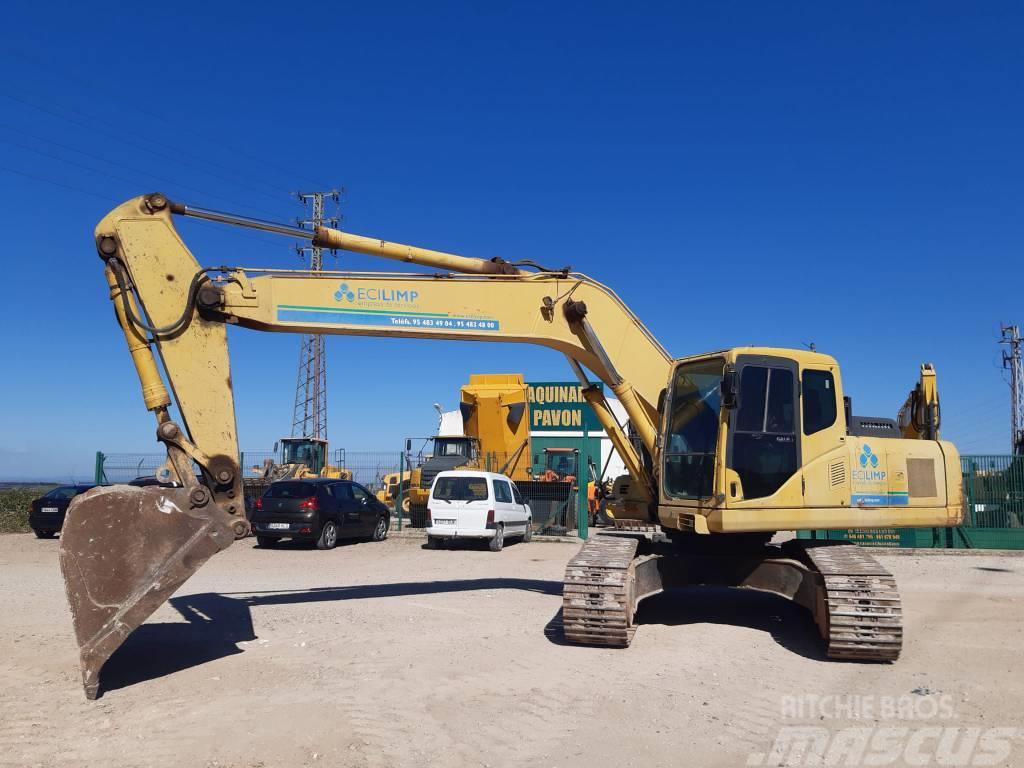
(732, 445)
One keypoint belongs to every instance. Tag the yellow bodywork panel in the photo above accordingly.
(494, 408)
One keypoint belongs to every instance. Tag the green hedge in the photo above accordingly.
(14, 506)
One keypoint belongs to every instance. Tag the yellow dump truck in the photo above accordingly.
(495, 435)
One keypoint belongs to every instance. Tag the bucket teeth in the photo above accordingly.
(124, 551)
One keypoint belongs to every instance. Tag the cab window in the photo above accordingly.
(766, 403)
(692, 437)
(764, 447)
(819, 406)
(517, 495)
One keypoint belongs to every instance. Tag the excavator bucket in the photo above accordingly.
(124, 551)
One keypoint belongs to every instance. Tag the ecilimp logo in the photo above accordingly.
(376, 294)
(343, 293)
(867, 456)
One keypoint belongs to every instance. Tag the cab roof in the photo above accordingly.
(801, 356)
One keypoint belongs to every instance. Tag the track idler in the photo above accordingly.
(124, 550)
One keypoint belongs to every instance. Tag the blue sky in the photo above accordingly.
(741, 173)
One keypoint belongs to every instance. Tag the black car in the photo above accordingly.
(318, 509)
(46, 514)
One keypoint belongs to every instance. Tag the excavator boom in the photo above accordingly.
(166, 302)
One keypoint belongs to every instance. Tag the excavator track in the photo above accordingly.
(636, 526)
(598, 597)
(864, 616)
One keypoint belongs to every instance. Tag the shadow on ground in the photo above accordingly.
(217, 622)
(787, 623)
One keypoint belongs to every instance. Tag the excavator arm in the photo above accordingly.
(168, 306)
(920, 416)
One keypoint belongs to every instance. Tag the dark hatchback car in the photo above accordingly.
(46, 514)
(322, 510)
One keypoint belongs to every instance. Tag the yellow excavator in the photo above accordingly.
(733, 445)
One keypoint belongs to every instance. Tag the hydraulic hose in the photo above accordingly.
(182, 322)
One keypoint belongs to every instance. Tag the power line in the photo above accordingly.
(117, 164)
(83, 166)
(178, 156)
(61, 184)
(996, 416)
(181, 126)
(116, 201)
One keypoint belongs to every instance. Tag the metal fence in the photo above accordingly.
(994, 491)
(554, 501)
(554, 497)
(125, 467)
(993, 512)
(368, 468)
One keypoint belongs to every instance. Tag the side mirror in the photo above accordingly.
(408, 446)
(728, 388)
(275, 447)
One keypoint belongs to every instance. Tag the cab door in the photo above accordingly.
(763, 446)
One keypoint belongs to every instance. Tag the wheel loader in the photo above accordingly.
(301, 457)
(734, 444)
(393, 485)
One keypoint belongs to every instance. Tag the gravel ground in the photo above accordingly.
(392, 655)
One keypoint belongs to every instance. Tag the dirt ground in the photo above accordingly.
(393, 655)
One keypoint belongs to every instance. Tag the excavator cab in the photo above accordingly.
(760, 439)
(309, 451)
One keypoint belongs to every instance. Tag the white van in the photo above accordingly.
(468, 503)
